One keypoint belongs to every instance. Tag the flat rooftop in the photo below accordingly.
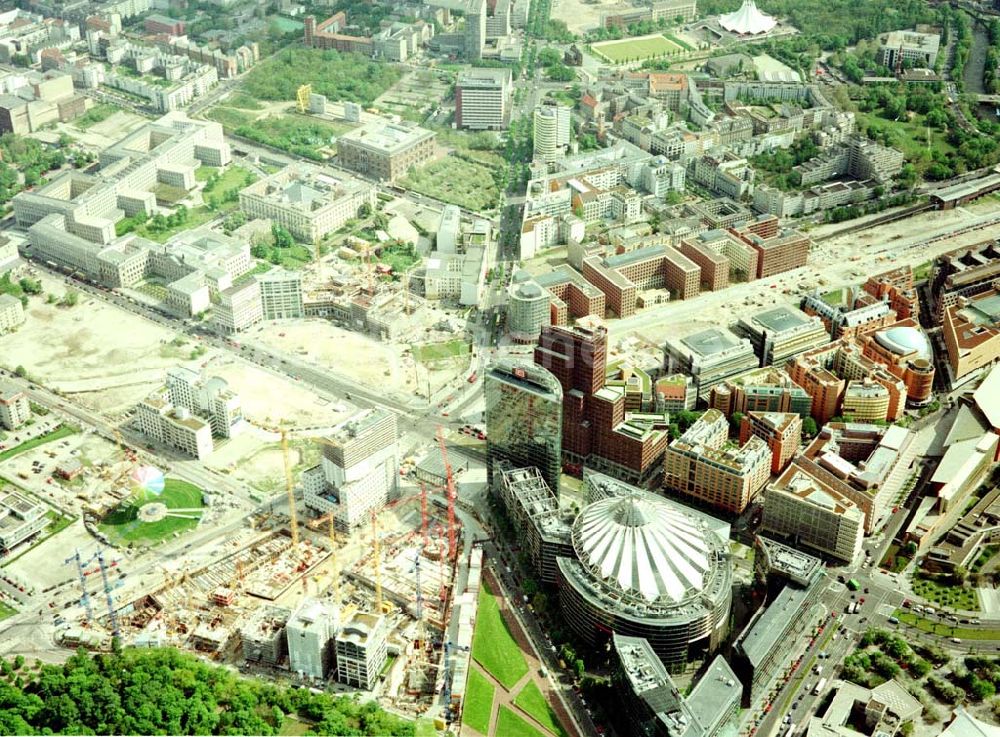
(780, 319)
(387, 137)
(710, 341)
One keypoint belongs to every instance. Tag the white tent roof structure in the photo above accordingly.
(748, 20)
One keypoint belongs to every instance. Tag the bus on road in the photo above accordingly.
(820, 684)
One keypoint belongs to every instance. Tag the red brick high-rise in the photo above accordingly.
(596, 426)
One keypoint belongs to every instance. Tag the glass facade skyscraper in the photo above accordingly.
(523, 419)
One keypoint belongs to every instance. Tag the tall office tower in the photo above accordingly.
(310, 632)
(551, 131)
(483, 99)
(577, 357)
(359, 471)
(523, 419)
(475, 29)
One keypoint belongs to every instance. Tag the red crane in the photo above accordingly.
(450, 492)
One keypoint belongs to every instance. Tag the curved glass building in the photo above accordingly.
(647, 567)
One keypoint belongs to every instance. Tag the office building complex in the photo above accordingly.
(239, 308)
(711, 357)
(360, 650)
(307, 201)
(781, 333)
(644, 566)
(551, 131)
(281, 294)
(533, 508)
(211, 399)
(653, 705)
(475, 29)
(11, 313)
(907, 48)
(825, 372)
(483, 98)
(20, 518)
(310, 631)
(359, 471)
(523, 420)
(177, 427)
(527, 310)
(15, 409)
(385, 151)
(705, 465)
(905, 351)
(609, 424)
(810, 513)
(854, 462)
(971, 331)
(761, 649)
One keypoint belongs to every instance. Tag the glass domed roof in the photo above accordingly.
(904, 339)
(643, 548)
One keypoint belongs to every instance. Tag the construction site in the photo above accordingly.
(297, 598)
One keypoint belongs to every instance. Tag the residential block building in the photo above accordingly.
(15, 409)
(705, 465)
(210, 398)
(11, 313)
(157, 418)
(782, 431)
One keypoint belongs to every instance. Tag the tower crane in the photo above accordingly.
(112, 618)
(450, 492)
(293, 519)
(378, 563)
(84, 596)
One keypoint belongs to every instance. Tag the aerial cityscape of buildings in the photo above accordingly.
(504, 367)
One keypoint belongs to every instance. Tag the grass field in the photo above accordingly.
(431, 352)
(123, 527)
(478, 703)
(6, 610)
(637, 49)
(510, 724)
(59, 433)
(493, 646)
(532, 700)
(962, 633)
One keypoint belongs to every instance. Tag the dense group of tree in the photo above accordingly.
(164, 691)
(339, 76)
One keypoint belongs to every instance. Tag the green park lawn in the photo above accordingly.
(59, 433)
(494, 647)
(431, 352)
(478, 704)
(944, 629)
(532, 700)
(122, 526)
(6, 610)
(510, 724)
(643, 47)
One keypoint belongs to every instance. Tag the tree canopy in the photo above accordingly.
(165, 691)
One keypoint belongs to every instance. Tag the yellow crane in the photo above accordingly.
(377, 552)
(302, 97)
(293, 519)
